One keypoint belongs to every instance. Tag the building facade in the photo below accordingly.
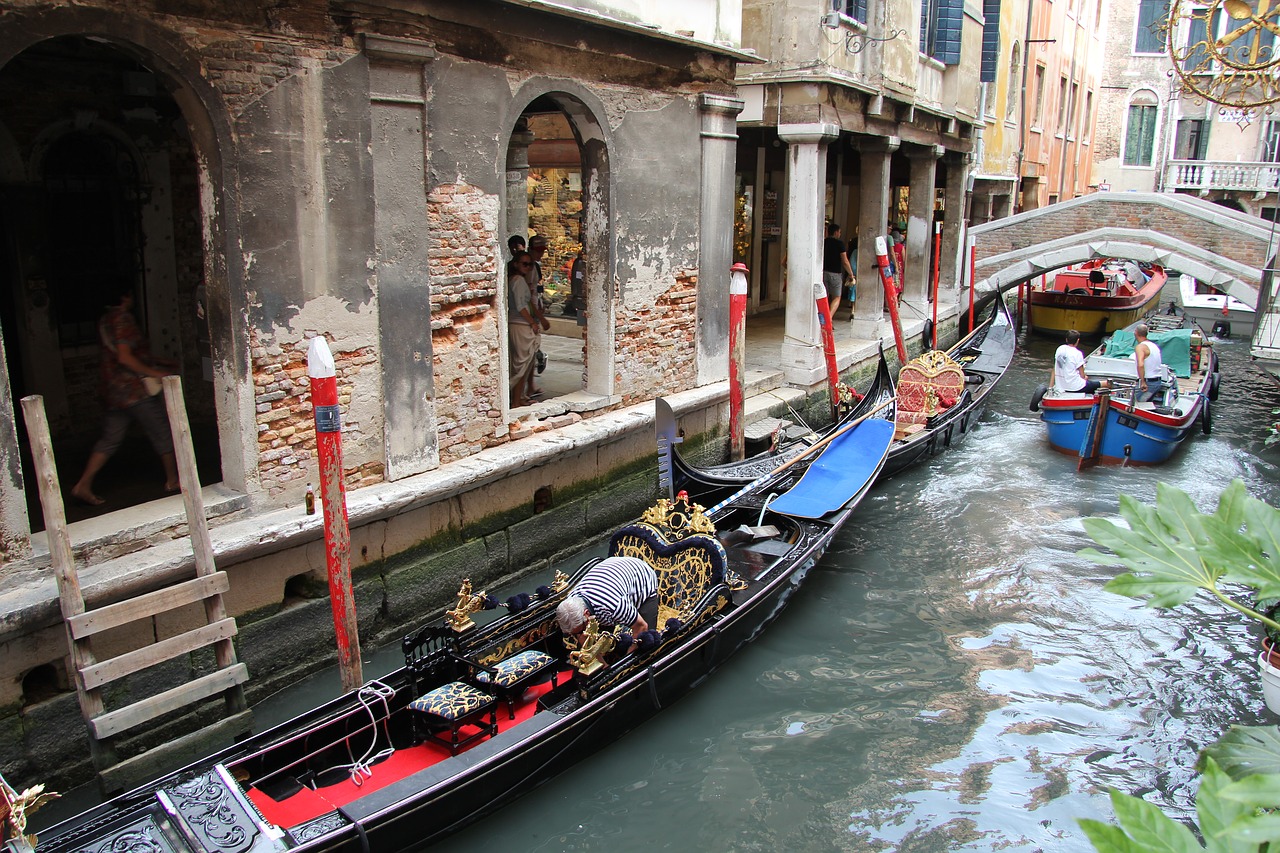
(1154, 138)
(863, 115)
(1042, 114)
(262, 177)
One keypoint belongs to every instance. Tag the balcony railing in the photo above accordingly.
(1205, 175)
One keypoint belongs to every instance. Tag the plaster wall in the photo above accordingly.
(710, 20)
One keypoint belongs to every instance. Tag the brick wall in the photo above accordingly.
(655, 345)
(465, 341)
(286, 425)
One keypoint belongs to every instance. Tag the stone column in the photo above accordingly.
(951, 273)
(15, 526)
(517, 185)
(868, 313)
(924, 172)
(719, 136)
(802, 359)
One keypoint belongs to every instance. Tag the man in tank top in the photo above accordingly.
(1150, 366)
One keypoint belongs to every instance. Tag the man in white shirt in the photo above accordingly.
(1068, 368)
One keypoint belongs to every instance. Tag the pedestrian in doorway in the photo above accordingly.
(125, 362)
(515, 243)
(538, 305)
(835, 266)
(521, 325)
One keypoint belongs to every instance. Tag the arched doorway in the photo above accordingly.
(557, 189)
(99, 183)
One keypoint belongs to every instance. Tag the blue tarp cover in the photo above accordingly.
(1175, 347)
(839, 472)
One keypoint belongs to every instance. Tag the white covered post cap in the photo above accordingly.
(320, 359)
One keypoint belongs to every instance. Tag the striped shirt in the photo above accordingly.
(615, 588)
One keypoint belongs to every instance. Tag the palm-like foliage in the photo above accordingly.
(1173, 552)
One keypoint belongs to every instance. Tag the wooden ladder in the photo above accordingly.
(92, 675)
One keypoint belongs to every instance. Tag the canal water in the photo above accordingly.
(950, 677)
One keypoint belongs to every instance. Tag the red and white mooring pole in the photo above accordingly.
(828, 344)
(890, 296)
(333, 497)
(737, 355)
(937, 268)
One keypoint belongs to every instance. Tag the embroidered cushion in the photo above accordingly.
(516, 667)
(451, 702)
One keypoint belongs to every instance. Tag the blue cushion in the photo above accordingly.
(451, 702)
(516, 667)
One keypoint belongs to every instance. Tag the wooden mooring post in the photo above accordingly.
(82, 624)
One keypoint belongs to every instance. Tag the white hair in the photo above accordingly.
(571, 614)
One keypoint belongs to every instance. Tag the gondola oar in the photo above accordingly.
(797, 458)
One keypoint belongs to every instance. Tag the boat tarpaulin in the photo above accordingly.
(841, 471)
(1175, 347)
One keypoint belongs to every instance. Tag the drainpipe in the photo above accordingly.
(1022, 117)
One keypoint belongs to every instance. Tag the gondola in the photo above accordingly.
(480, 714)
(1110, 425)
(930, 419)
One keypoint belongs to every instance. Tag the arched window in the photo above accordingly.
(1140, 133)
(1015, 81)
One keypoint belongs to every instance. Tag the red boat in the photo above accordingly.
(1097, 297)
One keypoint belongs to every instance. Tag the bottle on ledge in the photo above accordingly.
(311, 500)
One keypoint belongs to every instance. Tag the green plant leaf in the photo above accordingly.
(1231, 502)
(1257, 829)
(1222, 818)
(1260, 791)
(1142, 519)
(1150, 827)
(1262, 523)
(1159, 591)
(1180, 515)
(1108, 838)
(1246, 750)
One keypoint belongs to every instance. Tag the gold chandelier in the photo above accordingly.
(1226, 51)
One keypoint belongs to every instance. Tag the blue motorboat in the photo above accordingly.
(1112, 425)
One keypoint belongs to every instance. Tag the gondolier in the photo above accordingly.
(617, 591)
(1150, 364)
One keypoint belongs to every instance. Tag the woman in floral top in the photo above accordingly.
(125, 361)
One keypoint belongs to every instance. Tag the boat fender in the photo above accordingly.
(360, 833)
(1128, 454)
(1206, 419)
(927, 335)
(1038, 395)
(1213, 385)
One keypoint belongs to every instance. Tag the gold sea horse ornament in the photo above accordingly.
(589, 655)
(14, 809)
(460, 617)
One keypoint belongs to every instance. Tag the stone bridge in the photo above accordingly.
(1218, 246)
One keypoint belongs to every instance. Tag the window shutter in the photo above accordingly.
(990, 41)
(950, 26)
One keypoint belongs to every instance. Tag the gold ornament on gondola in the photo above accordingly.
(589, 655)
(679, 518)
(468, 603)
(1226, 51)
